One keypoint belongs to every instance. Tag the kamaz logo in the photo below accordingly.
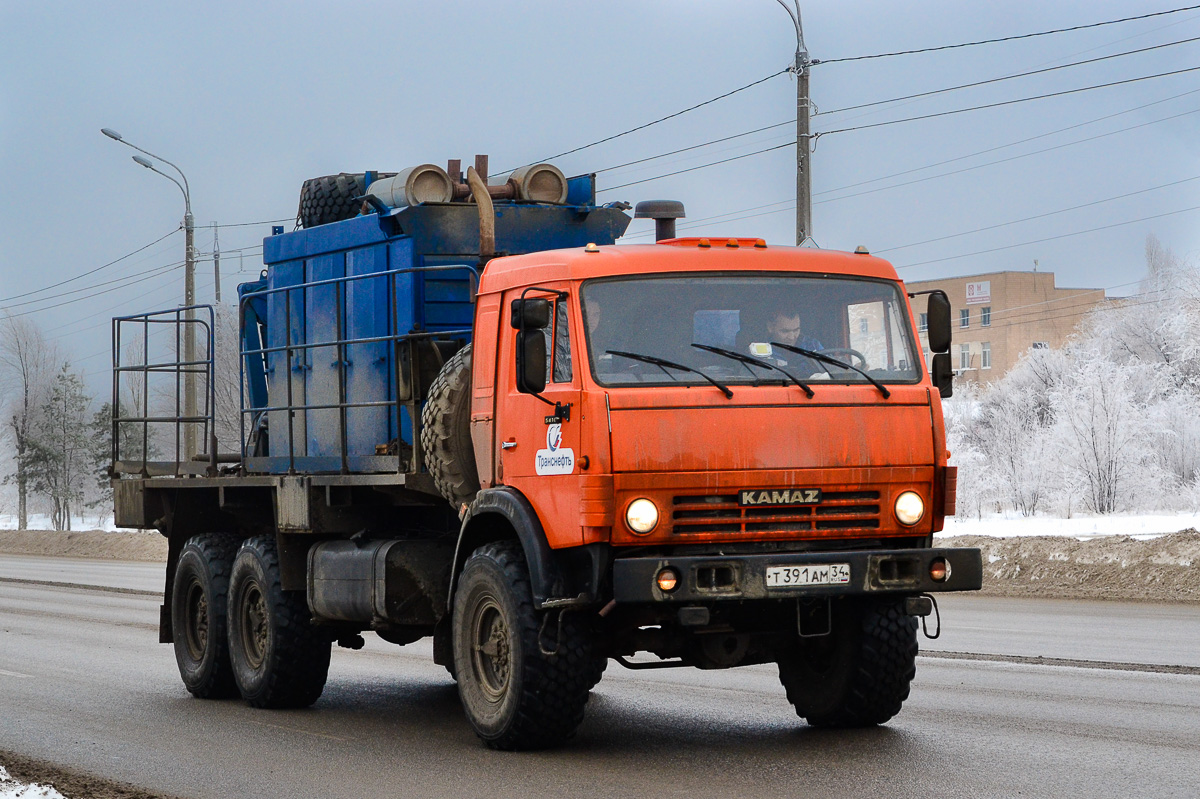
(781, 496)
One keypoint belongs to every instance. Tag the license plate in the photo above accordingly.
(816, 574)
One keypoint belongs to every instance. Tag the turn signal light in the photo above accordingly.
(939, 570)
(667, 580)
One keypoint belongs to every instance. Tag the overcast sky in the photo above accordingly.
(249, 99)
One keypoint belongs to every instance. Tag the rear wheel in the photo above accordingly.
(198, 619)
(516, 696)
(858, 675)
(279, 658)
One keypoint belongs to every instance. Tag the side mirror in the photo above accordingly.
(531, 360)
(938, 312)
(534, 313)
(943, 375)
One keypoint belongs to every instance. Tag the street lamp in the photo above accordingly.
(189, 285)
(803, 167)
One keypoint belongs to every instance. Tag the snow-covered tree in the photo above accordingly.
(58, 461)
(26, 369)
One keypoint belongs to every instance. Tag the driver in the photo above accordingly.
(783, 327)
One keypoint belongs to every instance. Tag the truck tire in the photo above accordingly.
(198, 619)
(859, 675)
(446, 431)
(514, 694)
(280, 660)
(331, 198)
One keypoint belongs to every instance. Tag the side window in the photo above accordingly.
(558, 346)
(562, 344)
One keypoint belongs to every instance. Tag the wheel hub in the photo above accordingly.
(491, 650)
(255, 626)
(196, 628)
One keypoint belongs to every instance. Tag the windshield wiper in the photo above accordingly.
(663, 363)
(751, 361)
(819, 356)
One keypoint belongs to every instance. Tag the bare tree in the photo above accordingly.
(60, 450)
(26, 370)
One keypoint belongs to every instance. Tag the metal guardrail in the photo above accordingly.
(182, 320)
(294, 353)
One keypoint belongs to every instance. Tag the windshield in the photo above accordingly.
(747, 329)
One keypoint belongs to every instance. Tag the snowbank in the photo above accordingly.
(1140, 526)
(11, 789)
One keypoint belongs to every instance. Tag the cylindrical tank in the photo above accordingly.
(540, 183)
(427, 183)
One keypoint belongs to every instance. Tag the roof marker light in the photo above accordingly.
(760, 244)
(704, 244)
(733, 244)
(591, 247)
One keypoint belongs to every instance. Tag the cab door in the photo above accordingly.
(539, 434)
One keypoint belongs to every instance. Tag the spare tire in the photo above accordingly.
(446, 431)
(332, 198)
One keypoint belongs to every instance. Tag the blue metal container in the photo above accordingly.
(324, 334)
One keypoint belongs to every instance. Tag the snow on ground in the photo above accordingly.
(11, 789)
(1084, 528)
(41, 521)
(1005, 525)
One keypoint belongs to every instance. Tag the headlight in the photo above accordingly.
(909, 508)
(641, 516)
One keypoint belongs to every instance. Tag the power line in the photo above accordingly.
(90, 271)
(1004, 38)
(661, 119)
(702, 166)
(1019, 141)
(131, 282)
(698, 146)
(1051, 238)
(1006, 102)
(81, 290)
(1039, 216)
(915, 169)
(1006, 77)
(925, 116)
(252, 224)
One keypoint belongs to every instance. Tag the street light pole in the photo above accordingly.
(803, 151)
(189, 287)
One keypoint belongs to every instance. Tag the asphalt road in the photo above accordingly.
(84, 684)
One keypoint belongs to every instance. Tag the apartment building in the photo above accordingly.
(998, 316)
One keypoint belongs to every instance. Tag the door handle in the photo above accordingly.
(508, 445)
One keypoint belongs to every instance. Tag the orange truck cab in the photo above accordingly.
(733, 451)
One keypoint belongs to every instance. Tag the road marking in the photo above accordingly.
(303, 732)
(1065, 662)
(4, 673)
(111, 589)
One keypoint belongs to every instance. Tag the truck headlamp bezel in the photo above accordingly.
(641, 516)
(909, 508)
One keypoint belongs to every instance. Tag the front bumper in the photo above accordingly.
(710, 578)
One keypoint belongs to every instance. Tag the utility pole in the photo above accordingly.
(803, 151)
(217, 259)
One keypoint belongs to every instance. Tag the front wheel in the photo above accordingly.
(521, 687)
(859, 674)
(280, 660)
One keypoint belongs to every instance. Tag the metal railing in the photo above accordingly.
(294, 360)
(183, 371)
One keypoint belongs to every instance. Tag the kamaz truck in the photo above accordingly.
(464, 412)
